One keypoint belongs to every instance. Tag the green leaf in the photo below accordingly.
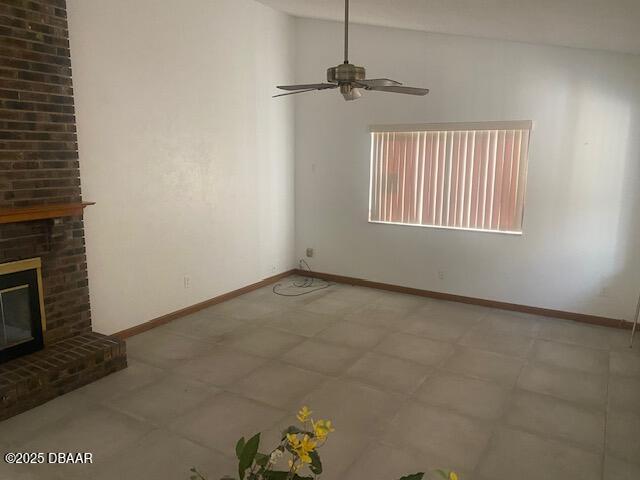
(262, 459)
(291, 429)
(239, 447)
(248, 454)
(443, 474)
(415, 476)
(278, 475)
(275, 475)
(316, 464)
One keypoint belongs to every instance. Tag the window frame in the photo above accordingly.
(452, 127)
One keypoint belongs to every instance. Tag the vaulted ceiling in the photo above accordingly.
(598, 24)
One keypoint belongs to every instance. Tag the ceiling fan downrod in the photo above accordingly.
(346, 31)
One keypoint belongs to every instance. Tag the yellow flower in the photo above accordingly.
(453, 476)
(301, 448)
(304, 414)
(293, 440)
(322, 428)
(306, 446)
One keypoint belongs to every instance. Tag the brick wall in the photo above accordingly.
(39, 157)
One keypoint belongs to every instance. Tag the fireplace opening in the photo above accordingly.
(22, 321)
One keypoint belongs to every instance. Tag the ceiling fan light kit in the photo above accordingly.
(351, 79)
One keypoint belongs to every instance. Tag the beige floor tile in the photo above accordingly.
(353, 335)
(619, 339)
(136, 375)
(339, 452)
(278, 384)
(438, 328)
(456, 311)
(33, 472)
(515, 345)
(221, 367)
(98, 430)
(624, 394)
(380, 315)
(615, 469)
(352, 294)
(417, 349)
(27, 426)
(456, 439)
(503, 369)
(300, 322)
(388, 373)
(245, 309)
(327, 305)
(384, 461)
(321, 356)
(206, 324)
(549, 416)
(473, 397)
(575, 357)
(263, 342)
(516, 454)
(506, 323)
(574, 386)
(163, 400)
(164, 349)
(401, 300)
(353, 406)
(624, 363)
(623, 440)
(162, 455)
(576, 333)
(222, 421)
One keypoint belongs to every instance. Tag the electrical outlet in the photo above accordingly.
(441, 274)
(605, 292)
(309, 252)
(187, 281)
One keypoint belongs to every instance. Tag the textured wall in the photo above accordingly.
(580, 248)
(187, 156)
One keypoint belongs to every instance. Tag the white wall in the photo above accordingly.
(580, 250)
(188, 158)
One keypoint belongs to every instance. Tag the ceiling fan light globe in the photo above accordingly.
(350, 93)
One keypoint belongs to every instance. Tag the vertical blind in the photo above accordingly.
(469, 176)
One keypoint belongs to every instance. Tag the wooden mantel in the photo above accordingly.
(41, 212)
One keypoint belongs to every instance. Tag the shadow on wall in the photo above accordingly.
(602, 194)
(626, 264)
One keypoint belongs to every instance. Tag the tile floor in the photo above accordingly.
(410, 383)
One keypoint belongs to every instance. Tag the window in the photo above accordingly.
(466, 176)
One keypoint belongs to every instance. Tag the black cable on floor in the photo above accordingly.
(310, 284)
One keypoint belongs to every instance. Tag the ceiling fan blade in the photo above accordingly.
(312, 86)
(401, 89)
(378, 82)
(293, 93)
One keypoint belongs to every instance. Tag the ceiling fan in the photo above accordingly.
(350, 79)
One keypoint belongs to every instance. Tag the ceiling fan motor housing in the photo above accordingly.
(345, 73)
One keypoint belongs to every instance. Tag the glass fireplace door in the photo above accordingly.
(20, 316)
(15, 316)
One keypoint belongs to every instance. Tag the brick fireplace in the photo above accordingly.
(41, 209)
